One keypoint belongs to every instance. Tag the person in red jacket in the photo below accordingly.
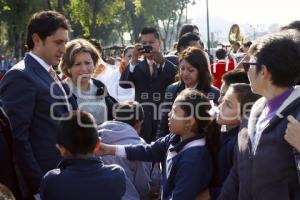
(220, 67)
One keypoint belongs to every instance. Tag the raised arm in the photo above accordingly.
(154, 152)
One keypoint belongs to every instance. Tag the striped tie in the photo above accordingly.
(57, 81)
(53, 74)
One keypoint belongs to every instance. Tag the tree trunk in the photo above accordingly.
(23, 47)
(167, 34)
(47, 4)
(171, 44)
(121, 33)
(16, 41)
(179, 21)
(60, 6)
(94, 5)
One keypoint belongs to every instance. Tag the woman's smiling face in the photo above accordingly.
(82, 68)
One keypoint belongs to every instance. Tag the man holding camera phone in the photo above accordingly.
(150, 73)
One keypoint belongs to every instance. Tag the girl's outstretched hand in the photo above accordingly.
(203, 195)
(106, 149)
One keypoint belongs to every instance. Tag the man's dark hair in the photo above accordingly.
(280, 53)
(129, 112)
(221, 54)
(187, 28)
(96, 44)
(293, 25)
(235, 76)
(237, 43)
(184, 41)
(247, 44)
(44, 24)
(150, 30)
(78, 133)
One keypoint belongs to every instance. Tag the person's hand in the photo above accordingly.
(106, 149)
(203, 195)
(111, 60)
(292, 134)
(156, 56)
(137, 52)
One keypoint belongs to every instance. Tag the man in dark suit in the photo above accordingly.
(7, 173)
(34, 99)
(150, 77)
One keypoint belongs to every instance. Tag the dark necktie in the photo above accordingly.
(155, 72)
(159, 70)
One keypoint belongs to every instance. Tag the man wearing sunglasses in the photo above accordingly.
(264, 165)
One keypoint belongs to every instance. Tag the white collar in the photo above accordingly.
(150, 62)
(222, 61)
(194, 143)
(194, 87)
(40, 61)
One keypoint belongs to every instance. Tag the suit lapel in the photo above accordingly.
(55, 91)
(31, 63)
(144, 67)
(168, 70)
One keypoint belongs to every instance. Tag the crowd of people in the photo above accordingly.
(5, 64)
(176, 126)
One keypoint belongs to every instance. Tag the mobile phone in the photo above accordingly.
(147, 48)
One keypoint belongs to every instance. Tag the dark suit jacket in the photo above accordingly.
(173, 59)
(26, 96)
(271, 172)
(149, 91)
(7, 173)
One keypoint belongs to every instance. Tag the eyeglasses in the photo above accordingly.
(246, 65)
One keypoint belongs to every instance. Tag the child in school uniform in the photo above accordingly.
(234, 107)
(82, 174)
(188, 163)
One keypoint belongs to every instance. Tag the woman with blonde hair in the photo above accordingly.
(78, 66)
(235, 35)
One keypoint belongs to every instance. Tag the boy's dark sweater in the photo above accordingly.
(83, 178)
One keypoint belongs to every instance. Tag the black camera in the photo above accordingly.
(147, 48)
